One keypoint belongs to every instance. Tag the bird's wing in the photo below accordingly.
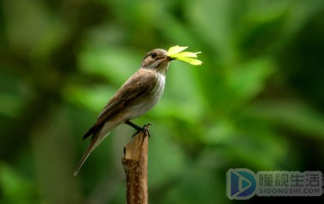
(133, 89)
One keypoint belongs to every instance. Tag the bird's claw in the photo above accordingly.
(144, 129)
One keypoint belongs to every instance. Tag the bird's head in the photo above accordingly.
(157, 60)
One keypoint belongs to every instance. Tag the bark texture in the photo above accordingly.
(135, 166)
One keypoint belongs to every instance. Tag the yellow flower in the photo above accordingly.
(176, 53)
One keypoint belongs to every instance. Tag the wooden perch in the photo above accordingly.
(135, 166)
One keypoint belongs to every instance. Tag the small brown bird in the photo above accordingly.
(137, 95)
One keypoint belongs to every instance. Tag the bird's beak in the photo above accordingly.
(169, 58)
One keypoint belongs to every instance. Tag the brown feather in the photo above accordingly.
(134, 89)
(86, 154)
(138, 94)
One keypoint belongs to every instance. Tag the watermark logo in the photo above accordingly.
(242, 183)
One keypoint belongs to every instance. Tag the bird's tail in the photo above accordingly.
(98, 136)
(94, 143)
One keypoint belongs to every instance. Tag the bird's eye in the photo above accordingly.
(153, 54)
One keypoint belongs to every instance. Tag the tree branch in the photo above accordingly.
(135, 166)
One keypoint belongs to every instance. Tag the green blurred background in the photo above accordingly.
(256, 102)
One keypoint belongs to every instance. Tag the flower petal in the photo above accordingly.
(175, 49)
(191, 61)
(176, 53)
(186, 54)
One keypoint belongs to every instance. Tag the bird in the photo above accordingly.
(139, 94)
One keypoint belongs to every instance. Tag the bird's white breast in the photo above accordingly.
(145, 105)
(159, 88)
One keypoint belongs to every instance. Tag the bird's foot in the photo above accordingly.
(144, 129)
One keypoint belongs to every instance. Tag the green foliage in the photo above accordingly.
(16, 189)
(256, 101)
